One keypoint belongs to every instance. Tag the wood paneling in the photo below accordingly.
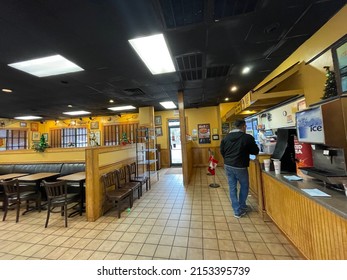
(316, 231)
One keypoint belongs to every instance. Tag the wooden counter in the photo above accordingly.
(317, 226)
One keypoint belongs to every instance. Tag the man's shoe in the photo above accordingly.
(246, 209)
(238, 216)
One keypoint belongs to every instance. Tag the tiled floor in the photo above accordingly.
(168, 222)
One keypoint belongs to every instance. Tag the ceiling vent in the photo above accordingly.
(190, 67)
(229, 8)
(134, 92)
(217, 71)
(182, 13)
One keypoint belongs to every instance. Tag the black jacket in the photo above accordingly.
(236, 148)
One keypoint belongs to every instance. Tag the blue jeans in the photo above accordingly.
(238, 202)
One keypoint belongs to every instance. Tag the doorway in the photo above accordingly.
(175, 143)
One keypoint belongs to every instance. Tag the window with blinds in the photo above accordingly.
(12, 139)
(113, 133)
(68, 137)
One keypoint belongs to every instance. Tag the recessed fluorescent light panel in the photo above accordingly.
(47, 66)
(122, 108)
(76, 113)
(28, 118)
(7, 90)
(168, 105)
(154, 53)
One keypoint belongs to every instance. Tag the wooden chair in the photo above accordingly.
(58, 197)
(133, 177)
(125, 184)
(14, 195)
(113, 194)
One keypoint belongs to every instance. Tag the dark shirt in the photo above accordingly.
(236, 148)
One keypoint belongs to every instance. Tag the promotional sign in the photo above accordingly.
(309, 125)
(204, 133)
(303, 156)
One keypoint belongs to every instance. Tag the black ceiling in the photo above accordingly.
(210, 42)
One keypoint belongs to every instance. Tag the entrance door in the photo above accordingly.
(175, 145)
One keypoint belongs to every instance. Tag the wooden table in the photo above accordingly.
(11, 176)
(79, 177)
(37, 177)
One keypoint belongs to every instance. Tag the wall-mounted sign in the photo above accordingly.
(310, 126)
(204, 133)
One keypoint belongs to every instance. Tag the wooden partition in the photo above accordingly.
(100, 160)
(317, 232)
(52, 155)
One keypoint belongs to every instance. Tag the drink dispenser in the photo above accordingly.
(284, 149)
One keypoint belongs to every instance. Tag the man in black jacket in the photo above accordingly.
(235, 149)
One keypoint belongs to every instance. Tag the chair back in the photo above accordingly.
(108, 180)
(132, 170)
(122, 175)
(56, 189)
(11, 187)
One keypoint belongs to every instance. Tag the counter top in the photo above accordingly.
(336, 203)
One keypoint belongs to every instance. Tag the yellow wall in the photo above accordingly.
(195, 116)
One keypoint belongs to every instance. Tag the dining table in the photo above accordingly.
(80, 178)
(10, 176)
(37, 177)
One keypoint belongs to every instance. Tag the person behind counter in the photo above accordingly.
(235, 148)
(262, 139)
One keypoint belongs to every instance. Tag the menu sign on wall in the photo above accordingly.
(204, 133)
(309, 125)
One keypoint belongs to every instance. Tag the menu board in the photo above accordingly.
(309, 125)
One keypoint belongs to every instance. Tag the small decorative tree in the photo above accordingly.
(330, 89)
(42, 145)
(124, 140)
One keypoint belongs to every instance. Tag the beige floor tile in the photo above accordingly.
(242, 246)
(178, 253)
(277, 249)
(94, 244)
(226, 245)
(84, 255)
(106, 245)
(133, 249)
(180, 241)
(42, 253)
(246, 256)
(98, 255)
(166, 240)
(69, 254)
(56, 253)
(113, 256)
(194, 254)
(227, 255)
(253, 237)
(163, 251)
(148, 250)
(259, 248)
(120, 247)
(264, 257)
(211, 254)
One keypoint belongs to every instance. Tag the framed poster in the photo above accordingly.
(158, 131)
(339, 51)
(204, 133)
(157, 120)
(34, 126)
(36, 136)
(94, 125)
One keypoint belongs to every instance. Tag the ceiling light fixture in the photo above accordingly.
(28, 118)
(76, 113)
(226, 99)
(168, 105)
(111, 101)
(47, 66)
(246, 70)
(122, 108)
(233, 88)
(7, 90)
(154, 53)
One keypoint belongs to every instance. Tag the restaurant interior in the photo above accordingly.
(130, 174)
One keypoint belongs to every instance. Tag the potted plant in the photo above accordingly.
(41, 146)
